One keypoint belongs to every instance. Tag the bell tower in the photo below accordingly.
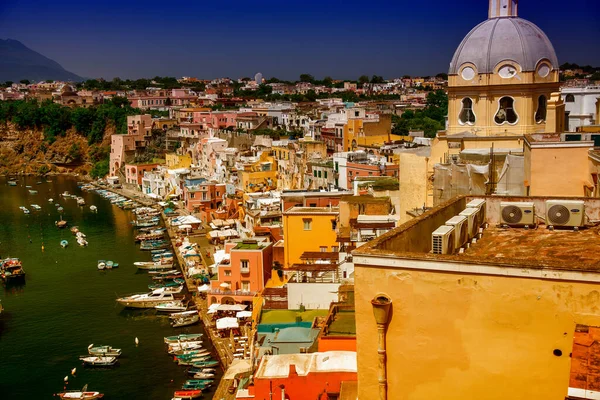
(503, 8)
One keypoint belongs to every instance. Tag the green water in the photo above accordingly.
(67, 303)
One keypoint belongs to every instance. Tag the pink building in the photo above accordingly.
(370, 169)
(203, 196)
(139, 127)
(246, 272)
(135, 172)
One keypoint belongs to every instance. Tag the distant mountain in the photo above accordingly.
(18, 62)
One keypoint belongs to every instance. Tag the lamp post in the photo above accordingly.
(381, 311)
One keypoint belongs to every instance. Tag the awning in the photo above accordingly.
(227, 323)
(204, 288)
(213, 308)
(232, 307)
(243, 314)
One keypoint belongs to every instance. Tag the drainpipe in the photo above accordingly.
(381, 311)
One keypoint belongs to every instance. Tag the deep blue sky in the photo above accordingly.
(283, 38)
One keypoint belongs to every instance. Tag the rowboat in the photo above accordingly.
(203, 364)
(64, 243)
(102, 264)
(103, 351)
(196, 381)
(194, 386)
(32, 191)
(203, 375)
(185, 318)
(172, 306)
(81, 241)
(98, 361)
(24, 209)
(93, 208)
(188, 394)
(192, 354)
(36, 207)
(193, 371)
(175, 347)
(12, 183)
(80, 201)
(184, 337)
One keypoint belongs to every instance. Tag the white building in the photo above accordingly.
(580, 105)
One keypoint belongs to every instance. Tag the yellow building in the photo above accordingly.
(260, 176)
(554, 166)
(308, 229)
(510, 318)
(367, 131)
(176, 161)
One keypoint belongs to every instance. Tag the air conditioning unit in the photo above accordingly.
(517, 213)
(472, 215)
(480, 204)
(461, 234)
(442, 240)
(569, 213)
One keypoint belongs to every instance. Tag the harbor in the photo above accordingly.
(67, 303)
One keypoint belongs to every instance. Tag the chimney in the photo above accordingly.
(292, 371)
(503, 8)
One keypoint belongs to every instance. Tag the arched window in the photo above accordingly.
(466, 115)
(570, 98)
(506, 112)
(540, 114)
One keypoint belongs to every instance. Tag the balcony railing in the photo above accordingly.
(238, 292)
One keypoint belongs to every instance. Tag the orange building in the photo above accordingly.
(244, 273)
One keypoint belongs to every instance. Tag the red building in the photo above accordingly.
(302, 198)
(135, 172)
(302, 376)
(370, 169)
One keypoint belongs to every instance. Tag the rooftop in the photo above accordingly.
(289, 316)
(313, 210)
(343, 324)
(538, 248)
(278, 366)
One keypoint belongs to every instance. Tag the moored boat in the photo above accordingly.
(98, 361)
(147, 300)
(153, 265)
(103, 351)
(64, 243)
(184, 337)
(172, 306)
(33, 191)
(12, 183)
(11, 269)
(61, 224)
(185, 318)
(83, 394)
(93, 208)
(188, 394)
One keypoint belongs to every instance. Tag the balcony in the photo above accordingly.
(245, 270)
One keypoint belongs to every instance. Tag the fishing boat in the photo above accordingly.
(82, 394)
(61, 224)
(80, 235)
(153, 265)
(147, 300)
(193, 371)
(66, 194)
(98, 361)
(158, 251)
(82, 242)
(64, 243)
(198, 381)
(74, 230)
(103, 351)
(24, 209)
(185, 318)
(31, 191)
(184, 337)
(12, 183)
(93, 208)
(196, 386)
(188, 394)
(36, 207)
(80, 201)
(60, 209)
(173, 283)
(172, 306)
(51, 200)
(173, 348)
(11, 269)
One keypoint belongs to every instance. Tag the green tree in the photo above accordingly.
(25, 81)
(363, 79)
(377, 79)
(307, 78)
(442, 75)
(100, 169)
(328, 81)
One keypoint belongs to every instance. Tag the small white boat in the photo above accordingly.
(64, 243)
(80, 201)
(103, 351)
(185, 318)
(82, 242)
(50, 200)
(96, 361)
(184, 337)
(153, 265)
(82, 394)
(172, 306)
(203, 375)
(93, 208)
(36, 207)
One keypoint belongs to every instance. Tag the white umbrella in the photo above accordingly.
(225, 285)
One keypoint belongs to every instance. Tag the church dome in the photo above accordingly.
(504, 39)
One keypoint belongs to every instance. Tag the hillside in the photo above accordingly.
(18, 62)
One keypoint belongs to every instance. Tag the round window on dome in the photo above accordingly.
(468, 73)
(507, 71)
(543, 70)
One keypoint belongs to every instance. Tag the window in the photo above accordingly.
(325, 174)
(307, 224)
(227, 273)
(319, 173)
(315, 173)
(570, 98)
(468, 73)
(506, 112)
(312, 205)
(245, 286)
(203, 195)
(507, 71)
(192, 195)
(333, 224)
(323, 249)
(244, 265)
(540, 114)
(466, 115)
(334, 249)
